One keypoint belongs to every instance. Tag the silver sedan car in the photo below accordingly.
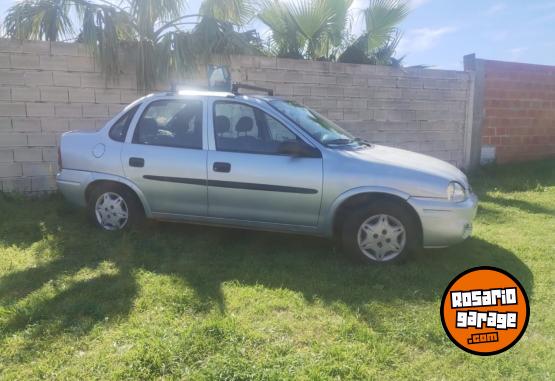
(262, 162)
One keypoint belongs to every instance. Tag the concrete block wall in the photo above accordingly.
(518, 110)
(416, 109)
(48, 88)
(45, 90)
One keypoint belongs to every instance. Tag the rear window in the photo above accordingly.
(119, 129)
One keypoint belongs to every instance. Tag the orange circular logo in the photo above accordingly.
(485, 310)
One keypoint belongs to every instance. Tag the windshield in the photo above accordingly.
(320, 128)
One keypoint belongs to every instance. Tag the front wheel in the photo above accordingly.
(382, 232)
(113, 207)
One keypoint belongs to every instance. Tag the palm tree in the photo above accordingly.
(310, 29)
(167, 43)
(319, 29)
(378, 43)
(39, 20)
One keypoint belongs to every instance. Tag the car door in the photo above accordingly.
(248, 178)
(164, 155)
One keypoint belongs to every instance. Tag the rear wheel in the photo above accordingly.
(382, 232)
(114, 207)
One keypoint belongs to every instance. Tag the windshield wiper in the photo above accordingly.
(344, 142)
(363, 141)
(339, 142)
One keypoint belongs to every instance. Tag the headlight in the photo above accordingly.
(456, 192)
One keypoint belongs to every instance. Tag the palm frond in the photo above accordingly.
(384, 54)
(147, 14)
(238, 12)
(178, 54)
(313, 20)
(156, 10)
(285, 41)
(382, 17)
(108, 42)
(175, 56)
(377, 45)
(340, 21)
(48, 20)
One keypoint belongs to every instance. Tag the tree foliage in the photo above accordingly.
(40, 20)
(166, 43)
(312, 29)
(319, 29)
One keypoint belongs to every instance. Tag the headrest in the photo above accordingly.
(148, 124)
(245, 124)
(222, 124)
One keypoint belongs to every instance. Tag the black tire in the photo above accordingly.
(135, 213)
(354, 220)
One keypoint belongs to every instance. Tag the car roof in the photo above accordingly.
(213, 93)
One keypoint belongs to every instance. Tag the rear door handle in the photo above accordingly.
(221, 167)
(138, 162)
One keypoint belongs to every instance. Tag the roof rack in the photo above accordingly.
(236, 86)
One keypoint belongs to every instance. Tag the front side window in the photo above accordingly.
(119, 129)
(242, 128)
(316, 125)
(278, 132)
(171, 123)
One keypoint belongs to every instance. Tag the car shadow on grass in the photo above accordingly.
(312, 267)
(523, 205)
(89, 276)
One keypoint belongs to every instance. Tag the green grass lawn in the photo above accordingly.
(186, 302)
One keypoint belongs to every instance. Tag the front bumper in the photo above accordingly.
(445, 223)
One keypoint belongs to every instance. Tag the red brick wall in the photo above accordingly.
(519, 110)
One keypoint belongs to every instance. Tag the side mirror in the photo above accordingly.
(298, 149)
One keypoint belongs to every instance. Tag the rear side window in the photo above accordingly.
(119, 129)
(171, 123)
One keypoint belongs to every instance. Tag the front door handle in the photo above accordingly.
(138, 162)
(221, 167)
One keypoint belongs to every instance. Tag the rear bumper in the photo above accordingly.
(445, 223)
(72, 185)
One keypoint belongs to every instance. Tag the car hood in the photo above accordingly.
(410, 161)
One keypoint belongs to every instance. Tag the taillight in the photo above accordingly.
(59, 157)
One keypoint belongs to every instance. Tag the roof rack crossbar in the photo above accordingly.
(236, 86)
